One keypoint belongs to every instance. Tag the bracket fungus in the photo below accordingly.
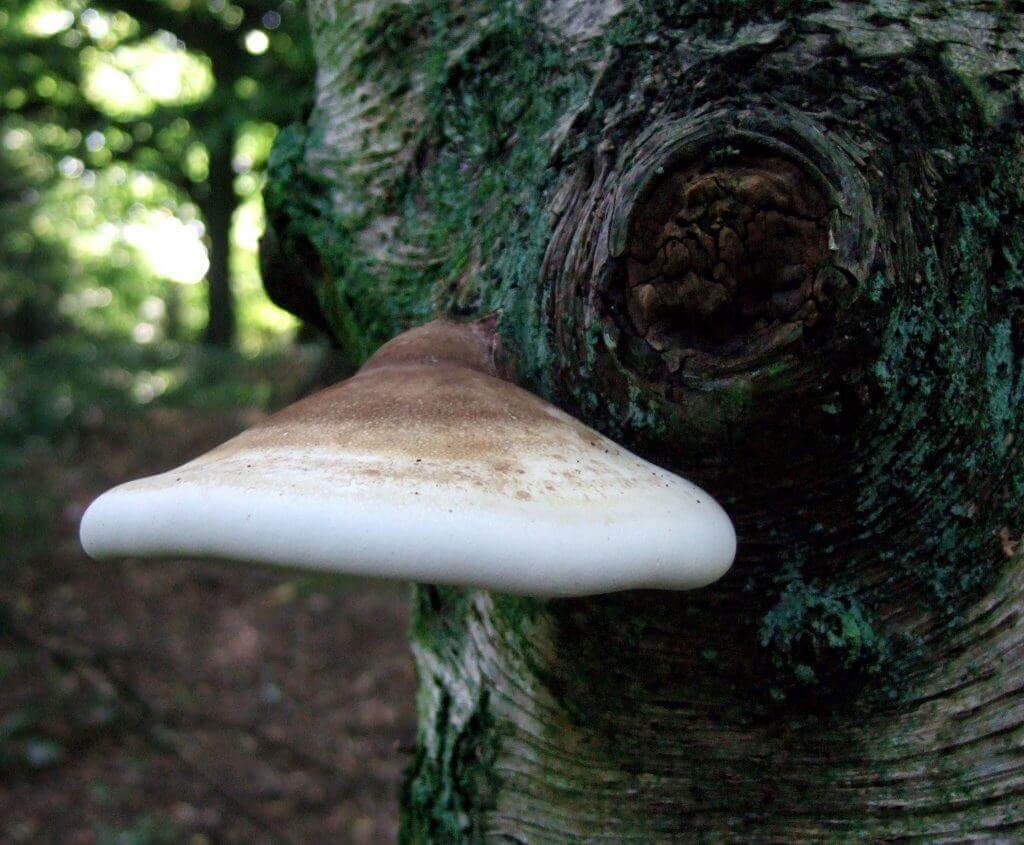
(428, 466)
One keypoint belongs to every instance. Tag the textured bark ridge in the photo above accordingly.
(778, 247)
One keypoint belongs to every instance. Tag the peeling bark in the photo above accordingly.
(844, 374)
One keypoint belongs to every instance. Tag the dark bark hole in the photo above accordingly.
(726, 258)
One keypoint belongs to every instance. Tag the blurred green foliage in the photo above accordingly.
(133, 138)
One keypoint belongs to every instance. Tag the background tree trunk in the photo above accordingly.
(218, 207)
(776, 247)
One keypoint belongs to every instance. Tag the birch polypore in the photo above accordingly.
(427, 466)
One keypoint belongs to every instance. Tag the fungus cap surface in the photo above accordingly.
(426, 466)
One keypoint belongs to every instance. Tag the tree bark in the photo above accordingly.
(778, 248)
(218, 208)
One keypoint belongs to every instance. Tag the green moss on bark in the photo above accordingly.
(451, 786)
(820, 644)
(468, 220)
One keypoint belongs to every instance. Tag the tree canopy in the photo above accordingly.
(133, 140)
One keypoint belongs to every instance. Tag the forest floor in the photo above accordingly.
(194, 702)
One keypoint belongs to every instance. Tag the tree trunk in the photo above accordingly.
(218, 208)
(775, 247)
